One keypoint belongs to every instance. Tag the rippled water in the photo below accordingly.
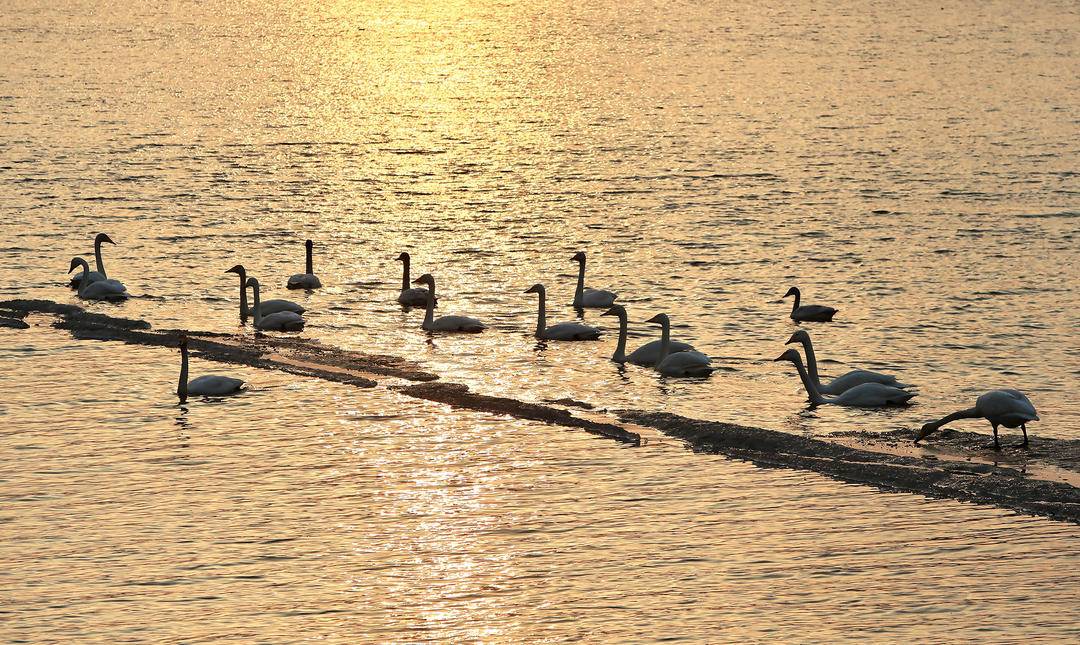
(913, 164)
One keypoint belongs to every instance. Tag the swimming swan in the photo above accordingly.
(561, 331)
(410, 296)
(209, 385)
(280, 321)
(840, 383)
(646, 354)
(1008, 408)
(809, 313)
(95, 276)
(305, 280)
(267, 307)
(445, 323)
(867, 395)
(591, 298)
(100, 290)
(685, 363)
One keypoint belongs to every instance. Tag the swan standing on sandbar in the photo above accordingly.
(209, 385)
(444, 323)
(809, 313)
(1009, 408)
(305, 280)
(100, 290)
(589, 298)
(560, 331)
(279, 321)
(267, 307)
(867, 395)
(645, 355)
(685, 363)
(95, 276)
(410, 296)
(843, 383)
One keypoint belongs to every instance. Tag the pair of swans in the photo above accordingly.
(411, 296)
(648, 354)
(99, 274)
(808, 313)
(840, 384)
(209, 385)
(308, 279)
(102, 289)
(266, 307)
(1009, 408)
(863, 395)
(276, 321)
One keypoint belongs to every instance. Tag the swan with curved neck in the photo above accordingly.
(808, 313)
(843, 383)
(866, 395)
(100, 290)
(560, 331)
(99, 274)
(685, 363)
(1009, 408)
(645, 355)
(410, 296)
(208, 385)
(444, 323)
(589, 298)
(266, 306)
(279, 321)
(306, 280)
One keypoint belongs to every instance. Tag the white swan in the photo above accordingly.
(560, 331)
(95, 276)
(445, 323)
(645, 355)
(410, 296)
(280, 321)
(591, 298)
(809, 313)
(267, 307)
(867, 395)
(1009, 408)
(100, 290)
(685, 363)
(209, 385)
(306, 280)
(840, 383)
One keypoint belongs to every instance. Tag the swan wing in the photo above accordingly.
(91, 278)
(688, 363)
(1008, 407)
(274, 306)
(414, 297)
(597, 298)
(282, 321)
(841, 384)
(303, 281)
(214, 385)
(874, 395)
(648, 353)
(814, 313)
(457, 323)
(571, 331)
(104, 290)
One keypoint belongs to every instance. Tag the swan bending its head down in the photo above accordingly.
(410, 296)
(843, 383)
(208, 385)
(559, 331)
(685, 363)
(589, 298)
(444, 323)
(279, 321)
(866, 395)
(808, 313)
(645, 355)
(306, 280)
(267, 307)
(99, 274)
(100, 290)
(1009, 408)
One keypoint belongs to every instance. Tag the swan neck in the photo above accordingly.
(405, 274)
(665, 342)
(243, 297)
(429, 313)
(308, 263)
(811, 387)
(181, 387)
(970, 413)
(811, 361)
(84, 282)
(795, 305)
(97, 258)
(620, 349)
(579, 293)
(255, 295)
(541, 314)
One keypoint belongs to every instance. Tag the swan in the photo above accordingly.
(561, 331)
(209, 385)
(280, 321)
(306, 280)
(267, 307)
(444, 323)
(866, 395)
(95, 276)
(100, 290)
(410, 296)
(809, 313)
(591, 298)
(684, 363)
(1008, 408)
(840, 383)
(645, 355)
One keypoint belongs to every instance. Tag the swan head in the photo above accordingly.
(183, 341)
(790, 355)
(800, 336)
(76, 263)
(536, 288)
(238, 270)
(616, 310)
(427, 279)
(578, 257)
(252, 282)
(923, 431)
(660, 319)
(308, 244)
(404, 257)
(102, 238)
(794, 291)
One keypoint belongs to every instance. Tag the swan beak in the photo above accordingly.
(73, 265)
(780, 357)
(106, 238)
(791, 340)
(609, 312)
(236, 269)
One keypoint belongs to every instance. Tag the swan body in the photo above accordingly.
(559, 331)
(1009, 408)
(266, 307)
(866, 395)
(589, 298)
(808, 313)
(684, 363)
(843, 383)
(100, 290)
(445, 323)
(99, 274)
(410, 296)
(279, 321)
(208, 385)
(645, 355)
(306, 280)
